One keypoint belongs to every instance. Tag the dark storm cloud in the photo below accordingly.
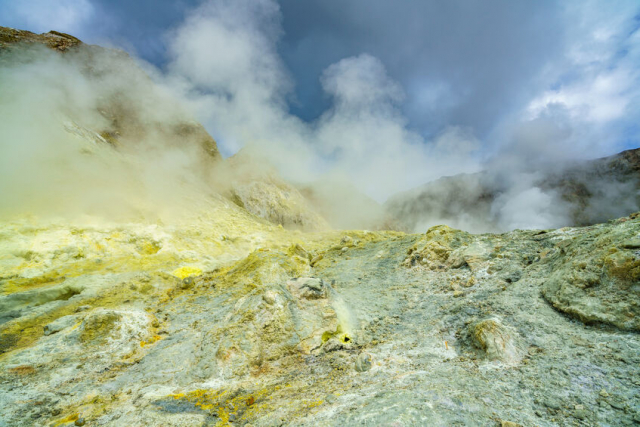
(460, 62)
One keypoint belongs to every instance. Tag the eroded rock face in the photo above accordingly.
(10, 37)
(596, 278)
(97, 339)
(591, 191)
(278, 203)
(436, 248)
(498, 341)
(296, 317)
(253, 184)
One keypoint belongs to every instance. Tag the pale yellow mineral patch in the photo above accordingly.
(187, 271)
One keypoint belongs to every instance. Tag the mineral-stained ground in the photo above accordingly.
(228, 313)
(228, 320)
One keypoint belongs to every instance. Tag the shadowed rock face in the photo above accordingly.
(249, 181)
(590, 192)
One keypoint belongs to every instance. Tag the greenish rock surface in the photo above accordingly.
(595, 277)
(368, 335)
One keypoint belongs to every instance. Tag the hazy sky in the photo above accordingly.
(547, 78)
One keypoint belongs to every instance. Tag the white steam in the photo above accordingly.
(224, 68)
(225, 58)
(58, 114)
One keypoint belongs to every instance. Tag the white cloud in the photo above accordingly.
(597, 88)
(599, 99)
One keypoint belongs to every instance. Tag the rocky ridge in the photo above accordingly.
(590, 191)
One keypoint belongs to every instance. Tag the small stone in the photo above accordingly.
(270, 297)
(498, 341)
(187, 283)
(345, 249)
(552, 403)
(298, 250)
(316, 259)
(308, 288)
(618, 404)
(633, 243)
(581, 414)
(79, 422)
(509, 424)
(469, 283)
(604, 393)
(59, 324)
(332, 345)
(457, 294)
(363, 362)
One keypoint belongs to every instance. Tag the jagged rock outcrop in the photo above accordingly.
(596, 279)
(10, 38)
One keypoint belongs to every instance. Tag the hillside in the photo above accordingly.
(583, 193)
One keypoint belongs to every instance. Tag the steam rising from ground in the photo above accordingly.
(228, 51)
(88, 133)
(225, 70)
(225, 58)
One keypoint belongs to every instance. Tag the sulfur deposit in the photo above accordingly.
(241, 307)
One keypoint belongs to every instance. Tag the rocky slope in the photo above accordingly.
(586, 192)
(127, 95)
(224, 321)
(114, 112)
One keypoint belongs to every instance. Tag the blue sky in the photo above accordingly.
(545, 79)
